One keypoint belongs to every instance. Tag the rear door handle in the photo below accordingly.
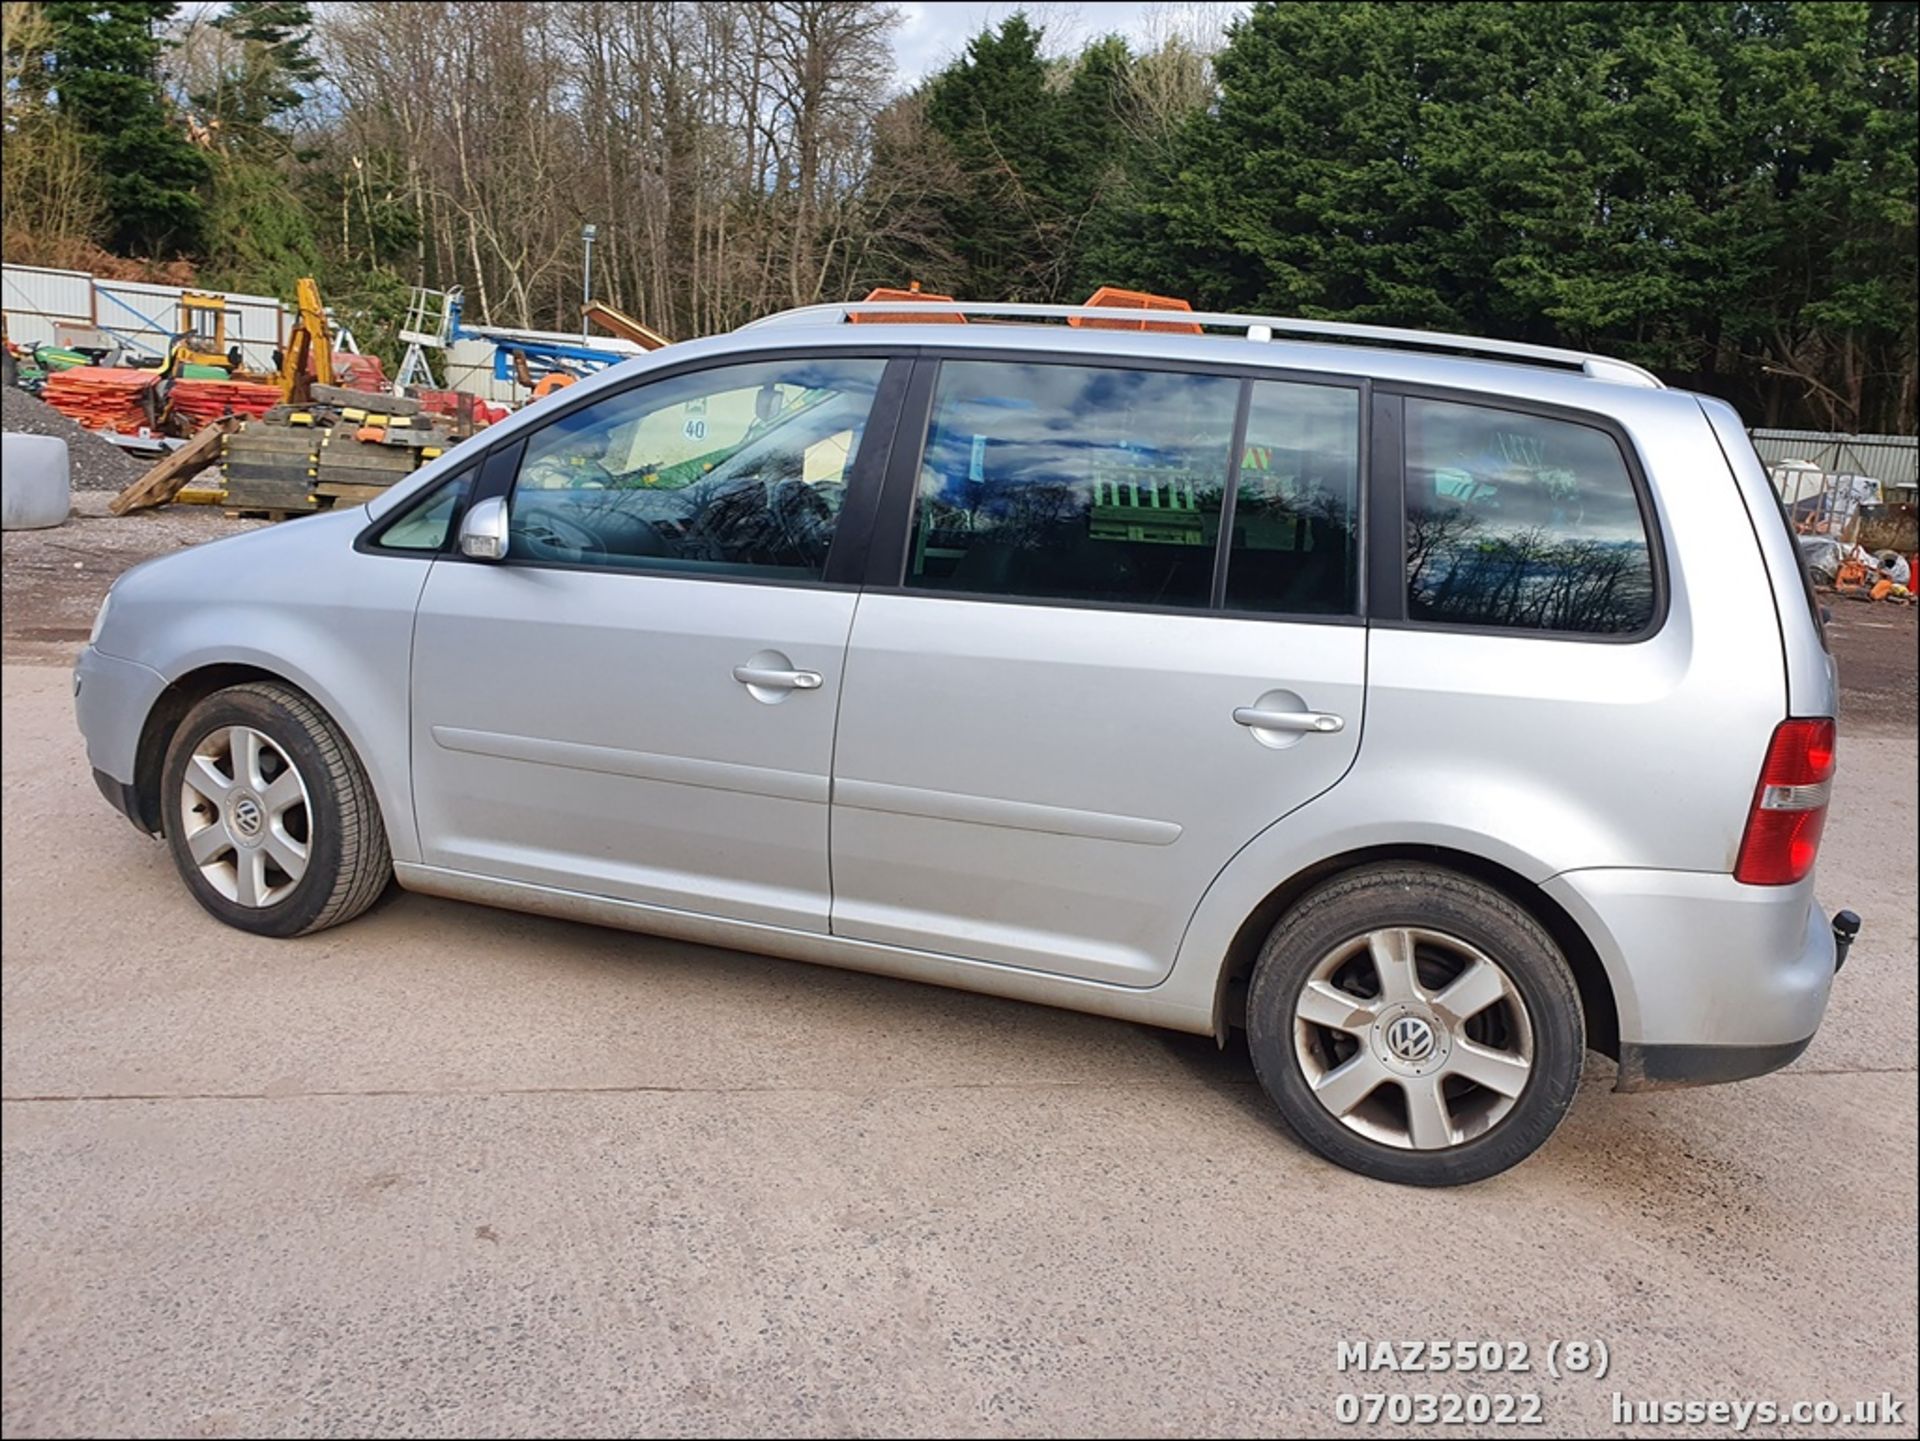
(777, 679)
(1306, 721)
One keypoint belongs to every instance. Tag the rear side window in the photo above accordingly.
(1295, 544)
(1522, 522)
(1073, 482)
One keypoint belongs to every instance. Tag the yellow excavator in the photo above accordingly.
(308, 357)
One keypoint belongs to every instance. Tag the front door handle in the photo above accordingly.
(774, 679)
(1306, 722)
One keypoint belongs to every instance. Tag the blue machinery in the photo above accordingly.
(542, 357)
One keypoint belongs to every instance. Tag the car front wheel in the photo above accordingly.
(269, 814)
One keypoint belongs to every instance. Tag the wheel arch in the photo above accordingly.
(1597, 998)
(173, 705)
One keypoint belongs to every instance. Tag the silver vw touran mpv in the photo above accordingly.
(1431, 709)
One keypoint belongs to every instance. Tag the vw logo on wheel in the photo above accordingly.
(1410, 1039)
(246, 816)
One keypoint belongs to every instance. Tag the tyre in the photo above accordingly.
(269, 814)
(1416, 1026)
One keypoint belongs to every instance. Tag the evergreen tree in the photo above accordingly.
(104, 59)
(274, 65)
(1034, 144)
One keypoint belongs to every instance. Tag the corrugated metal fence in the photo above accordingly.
(143, 317)
(1889, 459)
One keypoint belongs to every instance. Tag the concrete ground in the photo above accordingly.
(454, 1172)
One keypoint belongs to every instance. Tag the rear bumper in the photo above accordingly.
(1714, 980)
(1665, 1068)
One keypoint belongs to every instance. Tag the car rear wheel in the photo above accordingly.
(269, 815)
(1416, 1026)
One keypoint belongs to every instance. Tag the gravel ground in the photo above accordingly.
(1878, 647)
(96, 464)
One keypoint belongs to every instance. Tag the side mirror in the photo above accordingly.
(483, 530)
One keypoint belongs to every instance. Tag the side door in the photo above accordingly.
(1119, 635)
(638, 701)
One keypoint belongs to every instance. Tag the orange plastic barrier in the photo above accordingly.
(1113, 298)
(203, 401)
(101, 397)
(913, 293)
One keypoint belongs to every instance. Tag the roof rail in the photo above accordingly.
(1254, 327)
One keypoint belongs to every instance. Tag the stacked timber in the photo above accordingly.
(269, 468)
(326, 455)
(355, 463)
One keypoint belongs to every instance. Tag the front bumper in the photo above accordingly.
(111, 701)
(1713, 980)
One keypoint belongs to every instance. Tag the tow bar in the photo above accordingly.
(1846, 930)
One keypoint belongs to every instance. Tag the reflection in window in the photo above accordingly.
(1521, 521)
(1295, 547)
(1073, 482)
(741, 468)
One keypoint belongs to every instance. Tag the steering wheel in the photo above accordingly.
(548, 528)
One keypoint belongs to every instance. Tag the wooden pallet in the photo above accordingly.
(165, 480)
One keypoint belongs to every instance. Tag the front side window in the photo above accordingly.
(1073, 483)
(1522, 522)
(736, 470)
(1295, 548)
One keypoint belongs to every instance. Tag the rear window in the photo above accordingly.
(1522, 522)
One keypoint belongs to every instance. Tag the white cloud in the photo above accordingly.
(931, 34)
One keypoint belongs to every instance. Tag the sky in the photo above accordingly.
(932, 33)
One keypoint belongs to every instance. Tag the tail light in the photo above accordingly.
(1789, 805)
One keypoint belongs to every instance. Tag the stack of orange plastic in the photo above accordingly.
(447, 404)
(358, 372)
(101, 398)
(1113, 298)
(201, 402)
(913, 292)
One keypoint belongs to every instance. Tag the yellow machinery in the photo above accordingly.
(308, 357)
(203, 332)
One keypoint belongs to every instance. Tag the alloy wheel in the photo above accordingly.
(1413, 1038)
(245, 816)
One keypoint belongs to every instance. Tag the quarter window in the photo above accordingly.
(1522, 522)
(1073, 482)
(423, 529)
(1295, 547)
(736, 470)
